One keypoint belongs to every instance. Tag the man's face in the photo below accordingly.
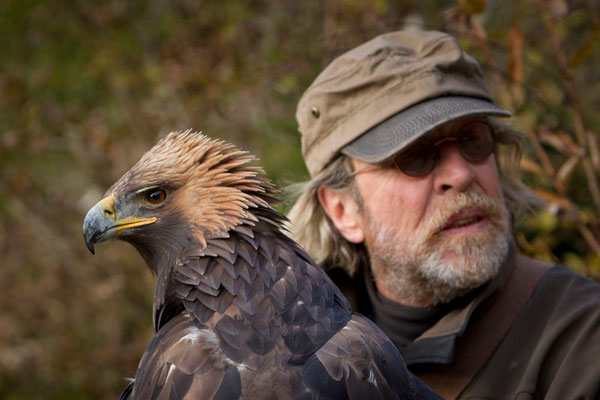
(435, 237)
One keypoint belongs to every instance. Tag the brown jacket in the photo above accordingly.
(551, 349)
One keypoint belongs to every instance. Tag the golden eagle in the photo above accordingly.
(240, 310)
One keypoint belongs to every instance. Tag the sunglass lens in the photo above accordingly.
(476, 141)
(418, 160)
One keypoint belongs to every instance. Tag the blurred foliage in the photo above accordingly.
(87, 86)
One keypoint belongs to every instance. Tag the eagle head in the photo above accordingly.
(185, 190)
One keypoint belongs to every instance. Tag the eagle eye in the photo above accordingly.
(155, 196)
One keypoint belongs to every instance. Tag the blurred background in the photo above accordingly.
(87, 86)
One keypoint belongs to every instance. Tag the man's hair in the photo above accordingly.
(312, 228)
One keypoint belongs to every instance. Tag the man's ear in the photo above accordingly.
(343, 212)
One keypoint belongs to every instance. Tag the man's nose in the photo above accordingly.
(453, 172)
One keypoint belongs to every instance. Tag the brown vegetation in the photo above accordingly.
(87, 87)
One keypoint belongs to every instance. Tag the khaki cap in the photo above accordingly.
(377, 98)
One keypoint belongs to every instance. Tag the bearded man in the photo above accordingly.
(414, 189)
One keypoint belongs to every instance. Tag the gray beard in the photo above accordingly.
(424, 268)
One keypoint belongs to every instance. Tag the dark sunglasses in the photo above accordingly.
(475, 142)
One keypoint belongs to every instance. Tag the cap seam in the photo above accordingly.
(343, 75)
(372, 55)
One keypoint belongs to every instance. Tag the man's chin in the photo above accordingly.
(460, 264)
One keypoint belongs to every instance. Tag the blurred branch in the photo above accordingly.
(574, 104)
(329, 28)
(541, 153)
(589, 238)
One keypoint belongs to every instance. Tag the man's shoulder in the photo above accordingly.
(553, 335)
(559, 280)
(562, 301)
(558, 286)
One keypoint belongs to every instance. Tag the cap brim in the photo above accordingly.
(395, 133)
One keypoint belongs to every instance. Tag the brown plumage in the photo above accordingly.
(240, 310)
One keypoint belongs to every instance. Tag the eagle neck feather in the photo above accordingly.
(258, 242)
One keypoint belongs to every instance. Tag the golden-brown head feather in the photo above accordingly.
(209, 182)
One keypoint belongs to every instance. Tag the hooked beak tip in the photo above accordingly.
(90, 245)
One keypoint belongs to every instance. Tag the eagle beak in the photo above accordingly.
(101, 223)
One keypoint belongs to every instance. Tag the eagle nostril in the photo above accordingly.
(107, 207)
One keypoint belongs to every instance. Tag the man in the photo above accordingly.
(414, 188)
